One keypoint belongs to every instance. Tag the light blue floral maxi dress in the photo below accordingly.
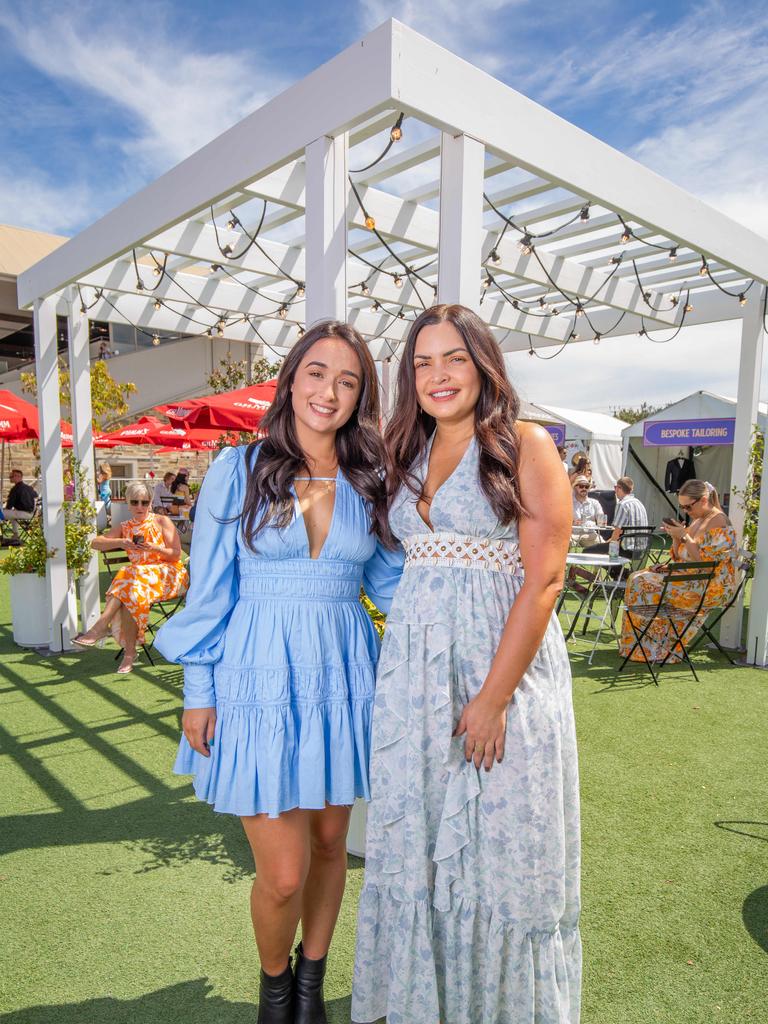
(470, 904)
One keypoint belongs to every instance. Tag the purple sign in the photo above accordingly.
(671, 433)
(557, 432)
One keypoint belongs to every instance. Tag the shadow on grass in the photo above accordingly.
(189, 1001)
(752, 829)
(754, 913)
(604, 671)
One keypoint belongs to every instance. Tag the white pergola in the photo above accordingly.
(488, 199)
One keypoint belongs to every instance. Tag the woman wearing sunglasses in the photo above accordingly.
(155, 573)
(709, 537)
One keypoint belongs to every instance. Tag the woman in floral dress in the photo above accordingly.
(469, 909)
(709, 538)
(155, 573)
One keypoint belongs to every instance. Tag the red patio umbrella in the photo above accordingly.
(147, 430)
(234, 410)
(18, 418)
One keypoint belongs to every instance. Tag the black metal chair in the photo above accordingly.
(160, 611)
(697, 574)
(745, 566)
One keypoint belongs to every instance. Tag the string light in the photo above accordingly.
(283, 312)
(625, 236)
(584, 213)
(742, 299)
(596, 339)
(688, 307)
(301, 290)
(703, 269)
(579, 309)
(155, 340)
(674, 299)
(494, 256)
(215, 268)
(226, 250)
(158, 305)
(573, 336)
(673, 253)
(232, 223)
(396, 132)
(487, 282)
(364, 289)
(157, 271)
(139, 285)
(526, 244)
(370, 223)
(398, 281)
(376, 307)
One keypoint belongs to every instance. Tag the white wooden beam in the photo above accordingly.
(747, 402)
(460, 220)
(439, 87)
(52, 480)
(327, 189)
(321, 104)
(82, 430)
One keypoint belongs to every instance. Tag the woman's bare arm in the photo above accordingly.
(544, 536)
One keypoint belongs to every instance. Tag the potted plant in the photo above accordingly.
(26, 564)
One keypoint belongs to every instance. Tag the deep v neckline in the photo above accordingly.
(299, 513)
(427, 456)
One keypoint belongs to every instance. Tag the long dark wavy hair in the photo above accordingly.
(273, 463)
(496, 411)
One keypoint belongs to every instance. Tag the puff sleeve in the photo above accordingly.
(194, 636)
(382, 573)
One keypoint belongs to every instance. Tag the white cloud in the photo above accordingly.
(176, 96)
(465, 28)
(30, 200)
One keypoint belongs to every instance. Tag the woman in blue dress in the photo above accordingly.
(279, 655)
(469, 909)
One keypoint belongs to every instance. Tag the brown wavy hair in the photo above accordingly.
(496, 411)
(273, 463)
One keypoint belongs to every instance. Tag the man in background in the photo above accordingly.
(20, 503)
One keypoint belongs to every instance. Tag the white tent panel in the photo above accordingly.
(598, 434)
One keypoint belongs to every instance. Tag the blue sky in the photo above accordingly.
(96, 99)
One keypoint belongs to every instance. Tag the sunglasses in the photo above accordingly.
(582, 487)
(690, 504)
(136, 501)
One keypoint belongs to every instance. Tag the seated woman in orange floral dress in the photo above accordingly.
(709, 538)
(155, 573)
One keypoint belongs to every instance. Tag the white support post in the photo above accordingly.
(327, 192)
(462, 171)
(80, 387)
(747, 398)
(47, 371)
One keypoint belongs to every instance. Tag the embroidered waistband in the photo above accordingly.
(459, 551)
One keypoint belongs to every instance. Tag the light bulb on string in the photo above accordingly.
(673, 253)
(703, 269)
(283, 312)
(596, 339)
(83, 309)
(226, 250)
(526, 244)
(301, 290)
(231, 223)
(370, 223)
(616, 259)
(157, 271)
(573, 336)
(398, 281)
(364, 289)
(584, 214)
(376, 307)
(688, 307)
(625, 236)
(494, 256)
(674, 299)
(215, 268)
(155, 340)
(642, 332)
(396, 134)
(579, 309)
(158, 305)
(139, 285)
(300, 328)
(742, 299)
(487, 282)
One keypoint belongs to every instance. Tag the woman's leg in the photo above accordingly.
(281, 853)
(324, 887)
(129, 634)
(100, 628)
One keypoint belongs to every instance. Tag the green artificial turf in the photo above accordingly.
(125, 900)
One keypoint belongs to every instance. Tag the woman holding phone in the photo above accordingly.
(155, 573)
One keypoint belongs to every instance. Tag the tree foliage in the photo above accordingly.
(109, 397)
(233, 373)
(634, 413)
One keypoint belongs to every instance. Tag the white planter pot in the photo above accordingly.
(29, 609)
(357, 824)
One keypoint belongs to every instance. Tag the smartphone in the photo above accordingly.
(668, 521)
(137, 538)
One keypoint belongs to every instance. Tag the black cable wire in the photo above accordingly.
(408, 270)
(733, 295)
(666, 341)
(532, 350)
(396, 127)
(140, 286)
(533, 234)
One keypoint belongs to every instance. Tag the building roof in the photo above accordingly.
(21, 248)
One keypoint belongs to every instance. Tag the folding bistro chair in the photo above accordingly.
(746, 563)
(160, 611)
(687, 573)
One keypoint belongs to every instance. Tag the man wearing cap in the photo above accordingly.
(585, 513)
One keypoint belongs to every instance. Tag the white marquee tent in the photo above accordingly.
(594, 432)
(646, 464)
(392, 174)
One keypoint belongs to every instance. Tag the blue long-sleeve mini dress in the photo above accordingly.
(279, 643)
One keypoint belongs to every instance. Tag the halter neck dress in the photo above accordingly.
(279, 643)
(470, 903)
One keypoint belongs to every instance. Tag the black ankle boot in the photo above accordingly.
(276, 999)
(310, 1008)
